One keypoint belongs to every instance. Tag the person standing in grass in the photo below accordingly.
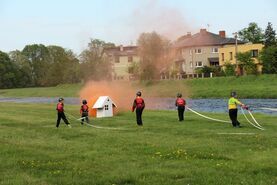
(139, 106)
(84, 112)
(233, 110)
(61, 115)
(180, 103)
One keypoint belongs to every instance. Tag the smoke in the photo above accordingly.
(167, 21)
(122, 93)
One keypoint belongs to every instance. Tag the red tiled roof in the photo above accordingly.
(205, 38)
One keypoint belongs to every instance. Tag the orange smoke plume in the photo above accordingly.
(121, 93)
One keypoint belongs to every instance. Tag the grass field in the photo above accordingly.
(263, 86)
(163, 152)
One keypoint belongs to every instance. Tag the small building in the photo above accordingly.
(104, 107)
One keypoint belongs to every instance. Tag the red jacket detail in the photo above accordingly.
(60, 107)
(180, 102)
(84, 108)
(138, 103)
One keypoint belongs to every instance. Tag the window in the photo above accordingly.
(222, 56)
(198, 51)
(191, 64)
(231, 55)
(117, 59)
(130, 58)
(199, 64)
(106, 107)
(254, 53)
(214, 50)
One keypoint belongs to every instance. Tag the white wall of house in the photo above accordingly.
(104, 107)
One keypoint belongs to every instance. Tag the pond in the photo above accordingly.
(202, 105)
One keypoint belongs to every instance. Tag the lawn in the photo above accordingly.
(262, 86)
(163, 152)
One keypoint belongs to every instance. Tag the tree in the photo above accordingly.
(153, 50)
(270, 36)
(269, 58)
(63, 67)
(252, 33)
(93, 65)
(229, 69)
(39, 58)
(24, 78)
(8, 71)
(133, 69)
(247, 62)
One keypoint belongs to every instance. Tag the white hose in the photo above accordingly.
(250, 121)
(265, 108)
(108, 128)
(213, 119)
(82, 117)
(254, 119)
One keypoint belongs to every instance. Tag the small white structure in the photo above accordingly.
(104, 107)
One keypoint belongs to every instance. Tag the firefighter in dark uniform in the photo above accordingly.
(84, 112)
(139, 106)
(233, 110)
(61, 115)
(180, 103)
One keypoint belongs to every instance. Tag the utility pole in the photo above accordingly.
(236, 52)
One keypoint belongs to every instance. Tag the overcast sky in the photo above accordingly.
(71, 24)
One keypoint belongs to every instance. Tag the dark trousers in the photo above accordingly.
(61, 116)
(233, 114)
(84, 117)
(138, 115)
(181, 110)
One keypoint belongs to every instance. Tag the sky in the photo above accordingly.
(72, 23)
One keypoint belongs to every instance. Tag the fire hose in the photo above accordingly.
(258, 126)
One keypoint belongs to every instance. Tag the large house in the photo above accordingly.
(200, 49)
(227, 54)
(121, 58)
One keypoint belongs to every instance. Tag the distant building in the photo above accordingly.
(121, 58)
(228, 52)
(200, 49)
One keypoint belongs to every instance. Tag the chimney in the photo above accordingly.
(222, 34)
(121, 48)
(203, 31)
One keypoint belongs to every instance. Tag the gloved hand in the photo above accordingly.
(245, 107)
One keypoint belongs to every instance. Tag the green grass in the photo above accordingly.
(163, 152)
(262, 86)
(66, 90)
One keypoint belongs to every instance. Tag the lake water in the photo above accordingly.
(202, 105)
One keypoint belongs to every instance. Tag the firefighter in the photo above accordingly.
(180, 103)
(233, 110)
(61, 115)
(139, 106)
(84, 112)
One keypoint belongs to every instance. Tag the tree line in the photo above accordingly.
(38, 65)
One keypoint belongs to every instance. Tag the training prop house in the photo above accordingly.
(104, 107)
